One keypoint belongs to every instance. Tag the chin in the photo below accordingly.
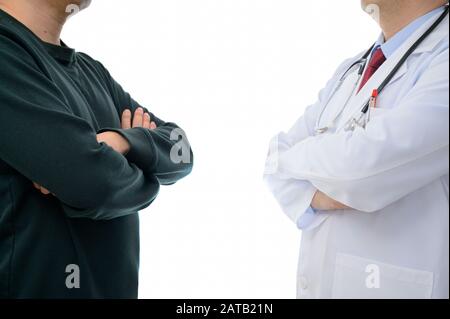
(85, 3)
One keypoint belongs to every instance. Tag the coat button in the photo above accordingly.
(303, 282)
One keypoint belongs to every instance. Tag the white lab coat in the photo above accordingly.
(394, 173)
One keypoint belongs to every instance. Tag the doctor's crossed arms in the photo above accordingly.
(364, 173)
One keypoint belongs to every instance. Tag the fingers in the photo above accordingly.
(126, 119)
(340, 206)
(147, 121)
(138, 118)
(43, 190)
(323, 202)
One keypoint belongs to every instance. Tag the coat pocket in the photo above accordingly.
(359, 278)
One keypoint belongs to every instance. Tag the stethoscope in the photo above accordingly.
(363, 118)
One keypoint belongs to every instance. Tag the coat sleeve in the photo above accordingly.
(42, 140)
(398, 153)
(164, 152)
(293, 194)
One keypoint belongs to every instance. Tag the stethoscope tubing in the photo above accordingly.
(407, 55)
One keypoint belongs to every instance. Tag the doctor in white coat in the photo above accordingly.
(372, 199)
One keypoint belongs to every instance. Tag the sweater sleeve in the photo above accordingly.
(46, 143)
(164, 152)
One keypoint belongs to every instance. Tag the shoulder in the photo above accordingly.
(87, 59)
(436, 62)
(18, 46)
(81, 56)
(342, 68)
(93, 64)
(9, 40)
(432, 59)
(14, 35)
(14, 50)
(349, 62)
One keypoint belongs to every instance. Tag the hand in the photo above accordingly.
(322, 202)
(114, 140)
(140, 119)
(117, 141)
(43, 190)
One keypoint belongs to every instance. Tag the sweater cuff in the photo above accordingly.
(142, 149)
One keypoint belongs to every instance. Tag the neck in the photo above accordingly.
(398, 14)
(44, 18)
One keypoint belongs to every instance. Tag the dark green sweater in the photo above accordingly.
(53, 102)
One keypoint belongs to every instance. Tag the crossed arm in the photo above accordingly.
(323, 202)
(399, 152)
(296, 196)
(117, 142)
(96, 175)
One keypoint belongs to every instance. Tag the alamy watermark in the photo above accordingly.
(181, 150)
(374, 11)
(73, 280)
(373, 279)
(73, 8)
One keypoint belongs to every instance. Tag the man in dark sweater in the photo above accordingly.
(78, 159)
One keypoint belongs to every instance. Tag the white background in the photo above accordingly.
(232, 73)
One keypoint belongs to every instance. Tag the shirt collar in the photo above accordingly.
(401, 37)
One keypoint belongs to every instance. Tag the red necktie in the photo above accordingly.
(376, 61)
